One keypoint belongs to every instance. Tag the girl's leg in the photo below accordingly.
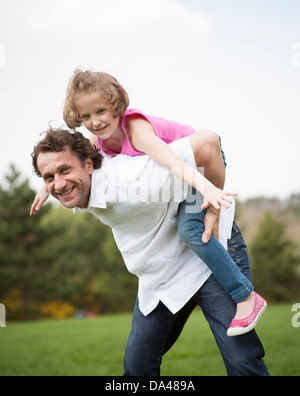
(250, 306)
(243, 356)
(190, 229)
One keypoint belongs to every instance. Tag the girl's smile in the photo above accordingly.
(100, 130)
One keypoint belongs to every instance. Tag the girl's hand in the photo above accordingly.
(216, 197)
(39, 201)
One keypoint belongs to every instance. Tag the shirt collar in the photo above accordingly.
(98, 188)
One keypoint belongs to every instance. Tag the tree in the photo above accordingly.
(275, 262)
(23, 259)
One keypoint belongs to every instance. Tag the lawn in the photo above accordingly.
(96, 347)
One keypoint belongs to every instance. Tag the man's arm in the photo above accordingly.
(207, 151)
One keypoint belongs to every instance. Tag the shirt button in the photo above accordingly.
(233, 250)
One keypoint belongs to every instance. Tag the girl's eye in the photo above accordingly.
(101, 111)
(84, 117)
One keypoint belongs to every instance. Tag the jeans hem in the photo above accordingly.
(244, 294)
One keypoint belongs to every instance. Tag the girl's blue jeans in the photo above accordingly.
(190, 228)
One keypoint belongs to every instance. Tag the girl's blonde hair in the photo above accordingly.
(112, 93)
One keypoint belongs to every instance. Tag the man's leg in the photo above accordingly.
(243, 355)
(146, 341)
(151, 337)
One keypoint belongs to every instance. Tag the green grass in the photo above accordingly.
(96, 347)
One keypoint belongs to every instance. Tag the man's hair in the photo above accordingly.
(110, 90)
(57, 140)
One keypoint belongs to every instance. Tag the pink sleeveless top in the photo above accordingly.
(168, 131)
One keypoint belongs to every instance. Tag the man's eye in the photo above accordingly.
(48, 179)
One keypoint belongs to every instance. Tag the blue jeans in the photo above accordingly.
(190, 229)
(153, 335)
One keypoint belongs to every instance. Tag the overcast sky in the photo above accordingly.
(230, 66)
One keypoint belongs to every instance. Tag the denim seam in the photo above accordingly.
(164, 343)
(249, 288)
(245, 294)
(216, 244)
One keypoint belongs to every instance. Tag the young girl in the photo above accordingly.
(99, 102)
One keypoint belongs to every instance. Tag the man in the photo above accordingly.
(140, 200)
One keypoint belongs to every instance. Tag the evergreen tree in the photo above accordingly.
(23, 259)
(275, 262)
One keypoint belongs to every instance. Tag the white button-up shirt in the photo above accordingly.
(139, 200)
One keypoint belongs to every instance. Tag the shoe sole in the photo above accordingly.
(244, 330)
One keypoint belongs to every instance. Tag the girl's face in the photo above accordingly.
(95, 116)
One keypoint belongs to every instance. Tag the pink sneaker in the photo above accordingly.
(243, 326)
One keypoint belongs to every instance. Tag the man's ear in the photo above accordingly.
(89, 166)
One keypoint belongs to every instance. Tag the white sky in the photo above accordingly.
(231, 66)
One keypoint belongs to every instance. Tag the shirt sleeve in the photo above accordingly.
(183, 149)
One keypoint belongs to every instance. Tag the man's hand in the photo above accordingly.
(211, 223)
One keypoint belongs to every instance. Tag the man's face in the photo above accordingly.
(68, 180)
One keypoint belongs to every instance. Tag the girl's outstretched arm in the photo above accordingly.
(39, 201)
(144, 139)
(94, 140)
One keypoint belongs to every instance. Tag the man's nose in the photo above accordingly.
(60, 184)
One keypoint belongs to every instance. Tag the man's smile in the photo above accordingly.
(65, 194)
